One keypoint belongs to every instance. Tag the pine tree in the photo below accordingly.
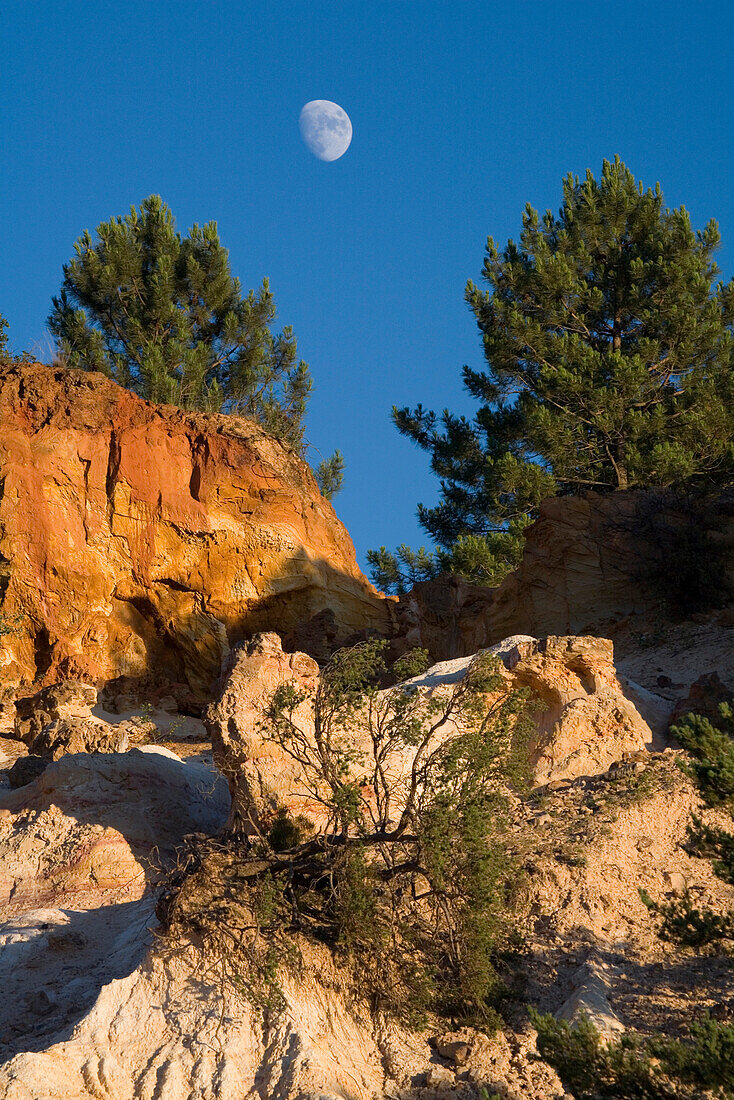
(162, 315)
(329, 475)
(608, 352)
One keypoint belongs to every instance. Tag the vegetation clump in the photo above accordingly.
(484, 561)
(408, 877)
(712, 751)
(7, 356)
(657, 1068)
(711, 766)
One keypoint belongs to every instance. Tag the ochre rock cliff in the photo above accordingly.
(135, 536)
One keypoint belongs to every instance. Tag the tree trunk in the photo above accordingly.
(617, 333)
(620, 466)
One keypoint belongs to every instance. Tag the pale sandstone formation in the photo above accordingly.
(137, 537)
(259, 774)
(157, 1029)
(584, 719)
(586, 722)
(97, 1008)
(101, 825)
(590, 998)
(588, 567)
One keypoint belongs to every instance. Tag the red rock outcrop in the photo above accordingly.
(136, 536)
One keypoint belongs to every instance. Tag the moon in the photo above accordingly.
(326, 129)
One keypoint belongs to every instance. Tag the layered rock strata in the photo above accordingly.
(592, 564)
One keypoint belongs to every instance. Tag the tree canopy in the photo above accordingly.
(329, 474)
(163, 315)
(608, 348)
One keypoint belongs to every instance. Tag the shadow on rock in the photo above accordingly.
(53, 964)
(100, 824)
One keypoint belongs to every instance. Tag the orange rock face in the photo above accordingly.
(137, 537)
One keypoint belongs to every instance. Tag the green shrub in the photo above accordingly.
(712, 768)
(684, 923)
(409, 879)
(712, 749)
(638, 1069)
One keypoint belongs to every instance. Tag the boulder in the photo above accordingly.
(70, 735)
(705, 696)
(91, 829)
(259, 774)
(67, 700)
(140, 536)
(586, 721)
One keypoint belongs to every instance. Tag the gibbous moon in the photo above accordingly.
(326, 129)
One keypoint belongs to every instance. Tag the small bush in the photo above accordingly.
(712, 749)
(638, 1069)
(711, 842)
(711, 767)
(684, 923)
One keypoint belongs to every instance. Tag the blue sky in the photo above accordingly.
(462, 113)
